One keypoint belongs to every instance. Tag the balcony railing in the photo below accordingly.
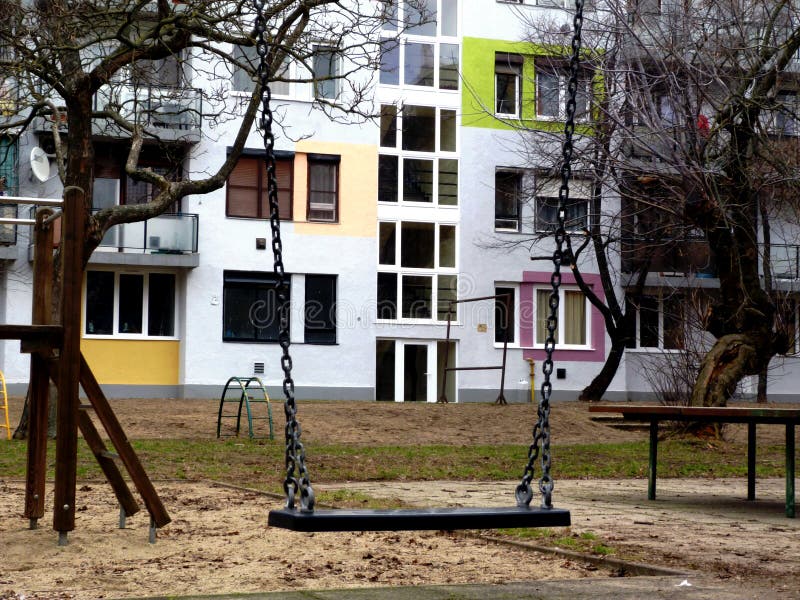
(170, 233)
(785, 260)
(685, 257)
(8, 233)
(168, 108)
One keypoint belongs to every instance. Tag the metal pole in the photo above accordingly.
(443, 396)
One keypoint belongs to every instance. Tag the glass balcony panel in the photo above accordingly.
(165, 234)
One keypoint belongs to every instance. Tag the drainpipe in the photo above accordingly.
(532, 365)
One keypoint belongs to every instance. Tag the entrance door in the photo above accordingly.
(411, 370)
(415, 372)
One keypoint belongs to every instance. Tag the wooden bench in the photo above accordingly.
(789, 417)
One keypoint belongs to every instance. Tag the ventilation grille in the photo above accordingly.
(258, 368)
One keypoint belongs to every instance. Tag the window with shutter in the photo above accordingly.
(247, 193)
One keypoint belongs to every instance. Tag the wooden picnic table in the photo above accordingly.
(789, 417)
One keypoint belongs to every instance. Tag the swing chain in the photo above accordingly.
(541, 430)
(297, 477)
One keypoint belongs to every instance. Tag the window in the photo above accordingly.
(323, 188)
(164, 72)
(425, 64)
(577, 208)
(8, 186)
(419, 61)
(390, 62)
(320, 309)
(130, 304)
(786, 114)
(508, 84)
(551, 92)
(417, 270)
(505, 315)
(646, 7)
(250, 307)
(325, 70)
(247, 194)
(417, 162)
(659, 322)
(242, 78)
(573, 318)
(507, 196)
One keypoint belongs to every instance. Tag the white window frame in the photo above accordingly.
(317, 48)
(563, 78)
(434, 272)
(517, 73)
(435, 156)
(521, 174)
(287, 68)
(115, 335)
(661, 331)
(560, 344)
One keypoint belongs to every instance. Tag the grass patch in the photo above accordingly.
(260, 464)
(565, 538)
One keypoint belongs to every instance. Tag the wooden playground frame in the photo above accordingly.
(56, 354)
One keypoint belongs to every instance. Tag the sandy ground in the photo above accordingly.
(701, 525)
(218, 541)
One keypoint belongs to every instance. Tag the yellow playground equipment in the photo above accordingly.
(4, 408)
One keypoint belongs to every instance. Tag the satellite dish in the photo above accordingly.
(40, 164)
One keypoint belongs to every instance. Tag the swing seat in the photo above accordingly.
(414, 519)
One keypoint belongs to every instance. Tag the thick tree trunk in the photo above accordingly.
(598, 386)
(732, 357)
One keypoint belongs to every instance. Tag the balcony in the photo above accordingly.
(168, 240)
(686, 257)
(785, 261)
(168, 113)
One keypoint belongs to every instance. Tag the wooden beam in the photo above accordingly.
(120, 441)
(107, 464)
(39, 391)
(73, 232)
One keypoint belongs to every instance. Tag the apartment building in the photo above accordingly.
(447, 195)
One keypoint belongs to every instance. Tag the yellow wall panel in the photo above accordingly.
(358, 189)
(144, 362)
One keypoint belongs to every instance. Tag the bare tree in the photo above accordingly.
(82, 65)
(692, 130)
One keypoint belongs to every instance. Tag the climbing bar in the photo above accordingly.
(36, 201)
(12, 221)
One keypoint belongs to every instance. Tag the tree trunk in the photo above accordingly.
(598, 386)
(762, 386)
(732, 357)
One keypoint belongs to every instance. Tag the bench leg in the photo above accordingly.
(651, 476)
(751, 461)
(790, 470)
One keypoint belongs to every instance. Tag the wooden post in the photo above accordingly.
(74, 232)
(39, 380)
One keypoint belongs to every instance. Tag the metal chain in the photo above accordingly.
(541, 430)
(297, 478)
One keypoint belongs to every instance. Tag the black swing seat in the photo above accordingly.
(413, 519)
